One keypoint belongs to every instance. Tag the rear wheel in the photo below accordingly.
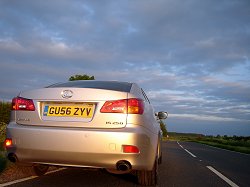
(160, 159)
(159, 153)
(148, 178)
(40, 169)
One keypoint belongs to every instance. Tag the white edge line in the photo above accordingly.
(28, 178)
(186, 150)
(180, 145)
(17, 181)
(228, 181)
(190, 153)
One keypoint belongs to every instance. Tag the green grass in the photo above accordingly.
(237, 148)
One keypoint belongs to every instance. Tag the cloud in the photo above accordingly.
(206, 118)
(192, 57)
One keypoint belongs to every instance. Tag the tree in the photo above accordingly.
(81, 77)
(163, 128)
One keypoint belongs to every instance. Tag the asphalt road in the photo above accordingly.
(184, 164)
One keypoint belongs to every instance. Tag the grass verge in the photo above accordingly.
(234, 143)
(240, 149)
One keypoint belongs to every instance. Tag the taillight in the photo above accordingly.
(117, 106)
(130, 149)
(8, 142)
(19, 103)
(135, 106)
(126, 106)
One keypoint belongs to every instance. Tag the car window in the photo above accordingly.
(108, 85)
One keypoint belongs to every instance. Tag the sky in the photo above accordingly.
(191, 57)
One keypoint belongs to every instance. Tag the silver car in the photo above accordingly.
(100, 124)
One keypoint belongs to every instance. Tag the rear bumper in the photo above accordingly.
(82, 147)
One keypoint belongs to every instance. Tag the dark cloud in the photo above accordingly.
(191, 57)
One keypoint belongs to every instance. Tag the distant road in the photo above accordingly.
(233, 165)
(184, 164)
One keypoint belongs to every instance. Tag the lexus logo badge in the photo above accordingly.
(66, 94)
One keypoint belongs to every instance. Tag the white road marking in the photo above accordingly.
(228, 181)
(190, 153)
(186, 150)
(180, 145)
(17, 181)
(28, 178)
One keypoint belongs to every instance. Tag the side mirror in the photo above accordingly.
(162, 115)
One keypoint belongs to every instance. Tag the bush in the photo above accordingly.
(81, 77)
(5, 108)
(2, 134)
(163, 129)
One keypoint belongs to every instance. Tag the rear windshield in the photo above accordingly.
(107, 85)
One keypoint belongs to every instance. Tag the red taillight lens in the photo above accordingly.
(118, 106)
(19, 103)
(127, 106)
(130, 149)
(8, 142)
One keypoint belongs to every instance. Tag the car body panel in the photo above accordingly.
(94, 141)
(81, 147)
(97, 97)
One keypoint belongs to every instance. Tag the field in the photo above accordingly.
(234, 143)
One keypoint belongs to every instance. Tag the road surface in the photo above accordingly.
(184, 164)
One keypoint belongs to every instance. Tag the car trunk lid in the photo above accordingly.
(71, 107)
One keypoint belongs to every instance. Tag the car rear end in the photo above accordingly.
(84, 124)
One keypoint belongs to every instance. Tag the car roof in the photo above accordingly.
(108, 85)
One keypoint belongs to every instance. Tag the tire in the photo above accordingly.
(40, 169)
(159, 151)
(148, 178)
(160, 159)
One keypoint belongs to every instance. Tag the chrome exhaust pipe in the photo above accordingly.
(123, 165)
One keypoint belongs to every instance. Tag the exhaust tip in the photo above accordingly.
(12, 157)
(123, 165)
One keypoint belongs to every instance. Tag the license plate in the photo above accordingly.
(83, 111)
